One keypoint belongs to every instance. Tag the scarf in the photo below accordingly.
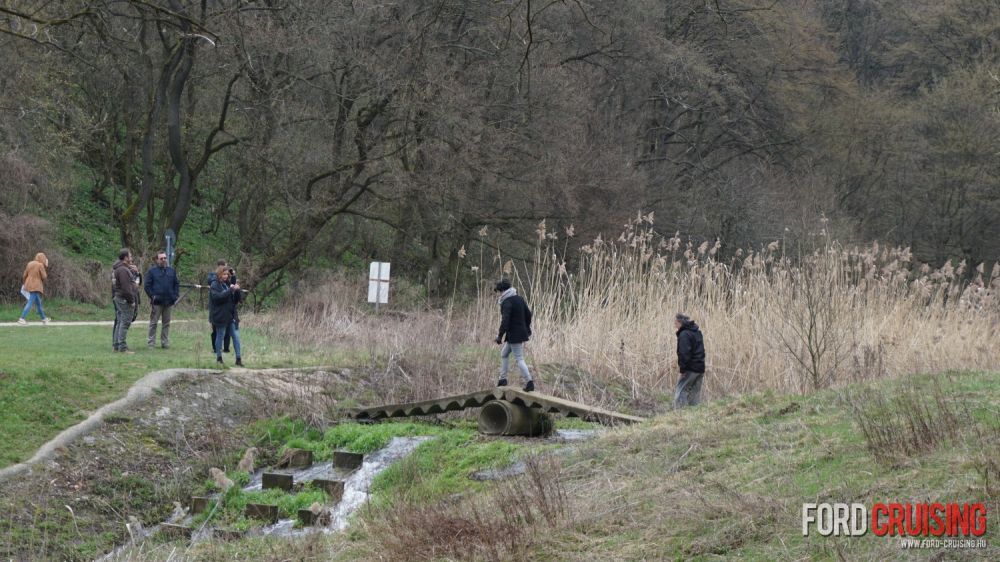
(506, 295)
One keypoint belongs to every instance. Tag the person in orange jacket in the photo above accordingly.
(34, 284)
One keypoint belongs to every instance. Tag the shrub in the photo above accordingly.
(23, 236)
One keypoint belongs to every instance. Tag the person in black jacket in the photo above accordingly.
(690, 361)
(163, 289)
(212, 276)
(515, 329)
(223, 298)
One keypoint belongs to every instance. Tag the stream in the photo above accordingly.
(356, 486)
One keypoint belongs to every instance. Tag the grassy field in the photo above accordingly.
(58, 309)
(67, 310)
(54, 377)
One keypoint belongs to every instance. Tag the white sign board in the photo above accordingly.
(378, 282)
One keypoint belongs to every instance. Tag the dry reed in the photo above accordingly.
(603, 327)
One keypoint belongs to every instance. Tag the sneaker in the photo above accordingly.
(226, 350)
(530, 386)
(219, 361)
(165, 346)
(502, 382)
(126, 350)
(239, 362)
(22, 321)
(45, 321)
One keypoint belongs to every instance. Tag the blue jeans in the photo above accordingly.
(518, 350)
(220, 334)
(34, 298)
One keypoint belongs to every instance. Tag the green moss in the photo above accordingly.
(442, 466)
(230, 512)
(355, 437)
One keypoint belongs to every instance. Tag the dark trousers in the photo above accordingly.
(688, 391)
(124, 315)
(228, 337)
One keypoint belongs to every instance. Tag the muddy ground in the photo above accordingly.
(138, 463)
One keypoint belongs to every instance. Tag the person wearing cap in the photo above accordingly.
(690, 361)
(515, 330)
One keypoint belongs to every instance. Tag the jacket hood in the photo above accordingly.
(119, 264)
(689, 325)
(510, 292)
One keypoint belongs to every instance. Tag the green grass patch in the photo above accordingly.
(67, 310)
(438, 467)
(53, 377)
(442, 466)
(361, 438)
(58, 309)
(230, 513)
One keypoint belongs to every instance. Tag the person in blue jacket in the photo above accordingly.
(163, 289)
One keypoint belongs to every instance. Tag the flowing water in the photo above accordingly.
(356, 486)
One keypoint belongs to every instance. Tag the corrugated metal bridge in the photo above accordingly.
(506, 411)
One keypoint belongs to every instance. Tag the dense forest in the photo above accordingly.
(418, 130)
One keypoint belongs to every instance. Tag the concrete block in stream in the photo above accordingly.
(333, 488)
(270, 480)
(307, 517)
(348, 461)
(296, 458)
(176, 531)
(227, 534)
(198, 504)
(268, 513)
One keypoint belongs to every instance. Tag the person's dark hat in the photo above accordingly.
(502, 285)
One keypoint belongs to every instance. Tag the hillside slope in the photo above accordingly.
(724, 480)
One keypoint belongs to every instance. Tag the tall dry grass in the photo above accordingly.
(773, 318)
(502, 524)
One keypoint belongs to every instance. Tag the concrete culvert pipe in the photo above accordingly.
(500, 417)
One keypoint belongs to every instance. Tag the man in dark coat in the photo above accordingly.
(515, 329)
(690, 361)
(163, 289)
(125, 280)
